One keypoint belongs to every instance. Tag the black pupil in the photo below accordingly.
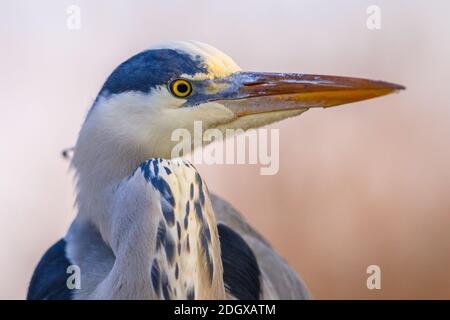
(182, 88)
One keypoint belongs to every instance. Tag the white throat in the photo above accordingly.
(101, 163)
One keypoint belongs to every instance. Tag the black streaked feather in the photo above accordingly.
(178, 230)
(201, 194)
(168, 171)
(191, 192)
(241, 273)
(160, 235)
(169, 247)
(156, 276)
(198, 210)
(165, 286)
(167, 211)
(190, 295)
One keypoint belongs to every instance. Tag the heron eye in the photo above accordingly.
(180, 88)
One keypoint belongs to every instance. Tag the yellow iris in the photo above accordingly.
(180, 88)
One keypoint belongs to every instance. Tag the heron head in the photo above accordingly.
(168, 87)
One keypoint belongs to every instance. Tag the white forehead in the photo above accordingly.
(218, 63)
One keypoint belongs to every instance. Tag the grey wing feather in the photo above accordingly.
(278, 280)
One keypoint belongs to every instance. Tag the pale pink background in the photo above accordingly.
(363, 184)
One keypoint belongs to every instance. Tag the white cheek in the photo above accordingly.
(210, 114)
(163, 99)
(148, 119)
(129, 116)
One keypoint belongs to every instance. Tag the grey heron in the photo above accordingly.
(146, 225)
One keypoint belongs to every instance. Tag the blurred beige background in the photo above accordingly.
(359, 185)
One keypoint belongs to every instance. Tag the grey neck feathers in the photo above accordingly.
(187, 262)
(101, 163)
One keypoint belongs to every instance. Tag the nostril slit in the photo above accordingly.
(251, 84)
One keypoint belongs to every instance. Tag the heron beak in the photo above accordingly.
(256, 92)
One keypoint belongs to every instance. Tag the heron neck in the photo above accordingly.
(101, 161)
(187, 261)
(101, 164)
